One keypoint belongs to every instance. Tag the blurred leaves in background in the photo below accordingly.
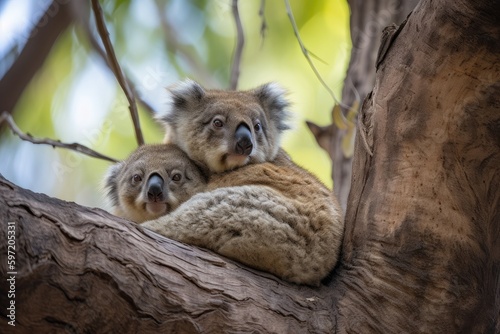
(74, 97)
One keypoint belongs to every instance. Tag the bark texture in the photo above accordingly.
(421, 250)
(422, 240)
(82, 270)
(368, 19)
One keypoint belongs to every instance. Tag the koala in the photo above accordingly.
(223, 130)
(153, 181)
(258, 207)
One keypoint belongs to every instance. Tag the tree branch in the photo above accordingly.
(240, 42)
(5, 116)
(41, 39)
(83, 260)
(99, 51)
(339, 118)
(103, 32)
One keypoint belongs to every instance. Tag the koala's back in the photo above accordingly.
(281, 174)
(302, 189)
(273, 216)
(298, 199)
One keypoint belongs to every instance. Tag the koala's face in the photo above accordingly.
(223, 130)
(153, 181)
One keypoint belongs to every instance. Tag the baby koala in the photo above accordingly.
(153, 181)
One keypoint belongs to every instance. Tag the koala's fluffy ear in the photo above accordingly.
(180, 97)
(273, 98)
(111, 182)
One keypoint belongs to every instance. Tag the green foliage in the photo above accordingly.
(75, 98)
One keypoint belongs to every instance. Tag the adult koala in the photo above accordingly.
(259, 208)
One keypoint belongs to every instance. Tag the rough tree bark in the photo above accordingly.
(368, 19)
(422, 242)
(82, 270)
(421, 250)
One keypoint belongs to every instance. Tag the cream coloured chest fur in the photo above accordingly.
(259, 207)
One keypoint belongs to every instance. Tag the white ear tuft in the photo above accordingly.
(187, 89)
(273, 98)
(110, 182)
(179, 97)
(273, 90)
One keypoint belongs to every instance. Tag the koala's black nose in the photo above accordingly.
(243, 138)
(155, 188)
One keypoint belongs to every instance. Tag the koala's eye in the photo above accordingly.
(257, 127)
(218, 123)
(136, 178)
(176, 177)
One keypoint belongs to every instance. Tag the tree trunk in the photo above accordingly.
(422, 242)
(368, 19)
(421, 250)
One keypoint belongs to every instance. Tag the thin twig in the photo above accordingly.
(99, 50)
(240, 42)
(5, 116)
(309, 52)
(103, 32)
(311, 64)
(149, 108)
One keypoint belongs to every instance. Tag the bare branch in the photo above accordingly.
(174, 45)
(240, 42)
(149, 108)
(39, 42)
(309, 52)
(6, 117)
(343, 122)
(103, 32)
(98, 49)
